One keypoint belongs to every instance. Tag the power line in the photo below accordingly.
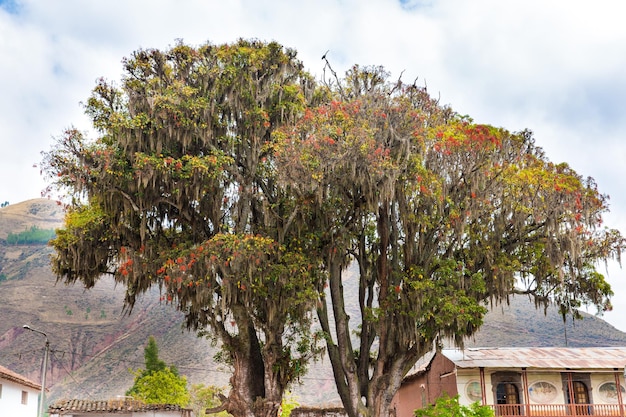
(133, 362)
(69, 373)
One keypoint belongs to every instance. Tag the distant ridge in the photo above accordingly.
(520, 324)
(40, 212)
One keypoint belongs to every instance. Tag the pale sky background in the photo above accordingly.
(557, 67)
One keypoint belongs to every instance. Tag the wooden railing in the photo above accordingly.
(557, 410)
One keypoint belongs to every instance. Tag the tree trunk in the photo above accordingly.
(275, 378)
(385, 383)
(257, 387)
(247, 380)
(341, 354)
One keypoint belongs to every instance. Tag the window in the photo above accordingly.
(579, 387)
(507, 393)
(24, 397)
(507, 397)
(577, 394)
(581, 395)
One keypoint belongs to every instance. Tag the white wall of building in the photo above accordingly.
(11, 400)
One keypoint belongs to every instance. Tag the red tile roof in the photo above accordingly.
(109, 406)
(9, 375)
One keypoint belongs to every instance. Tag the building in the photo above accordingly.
(120, 407)
(521, 381)
(19, 396)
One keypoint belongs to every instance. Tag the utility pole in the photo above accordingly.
(43, 369)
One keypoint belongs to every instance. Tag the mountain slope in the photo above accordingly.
(520, 324)
(94, 344)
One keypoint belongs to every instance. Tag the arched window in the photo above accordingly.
(507, 393)
(581, 394)
(507, 390)
(507, 396)
(579, 398)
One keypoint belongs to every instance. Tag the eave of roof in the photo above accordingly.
(62, 407)
(9, 375)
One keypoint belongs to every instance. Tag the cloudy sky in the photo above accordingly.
(557, 67)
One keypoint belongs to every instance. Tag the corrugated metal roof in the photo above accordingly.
(608, 358)
(9, 375)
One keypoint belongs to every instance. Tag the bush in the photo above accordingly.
(158, 383)
(203, 397)
(161, 387)
(450, 407)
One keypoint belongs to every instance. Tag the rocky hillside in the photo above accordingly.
(94, 343)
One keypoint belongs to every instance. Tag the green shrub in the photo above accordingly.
(450, 407)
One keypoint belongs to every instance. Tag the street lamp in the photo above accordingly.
(43, 369)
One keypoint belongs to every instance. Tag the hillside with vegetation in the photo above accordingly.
(95, 342)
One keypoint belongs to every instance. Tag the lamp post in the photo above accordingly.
(43, 369)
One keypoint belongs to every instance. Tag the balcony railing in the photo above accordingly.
(557, 410)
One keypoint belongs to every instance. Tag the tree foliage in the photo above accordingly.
(34, 235)
(151, 357)
(450, 407)
(205, 397)
(290, 402)
(178, 191)
(158, 383)
(225, 176)
(161, 387)
(442, 217)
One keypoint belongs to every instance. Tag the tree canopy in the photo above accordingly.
(230, 179)
(442, 216)
(178, 191)
(159, 383)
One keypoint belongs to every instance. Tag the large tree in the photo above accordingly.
(442, 216)
(178, 191)
(222, 178)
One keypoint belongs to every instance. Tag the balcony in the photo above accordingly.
(557, 410)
